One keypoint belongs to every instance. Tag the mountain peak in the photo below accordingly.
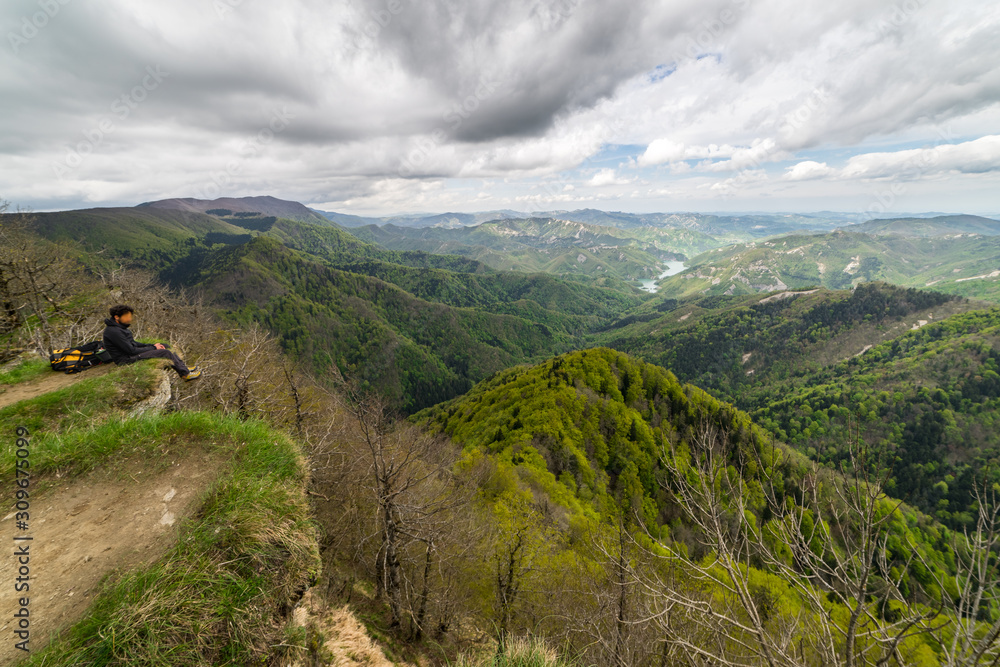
(263, 204)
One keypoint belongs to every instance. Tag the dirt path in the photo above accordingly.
(89, 526)
(51, 382)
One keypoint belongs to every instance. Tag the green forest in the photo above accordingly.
(793, 477)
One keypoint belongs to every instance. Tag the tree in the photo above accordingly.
(827, 546)
(517, 546)
(975, 628)
(610, 621)
(411, 482)
(37, 281)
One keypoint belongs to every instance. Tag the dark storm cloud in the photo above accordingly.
(389, 102)
(520, 65)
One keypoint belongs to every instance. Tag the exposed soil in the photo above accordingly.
(51, 382)
(89, 526)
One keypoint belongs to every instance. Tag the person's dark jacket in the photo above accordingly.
(120, 344)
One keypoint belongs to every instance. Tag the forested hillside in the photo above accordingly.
(587, 496)
(964, 264)
(913, 366)
(419, 327)
(610, 438)
(551, 245)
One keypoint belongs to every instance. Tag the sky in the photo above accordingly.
(375, 107)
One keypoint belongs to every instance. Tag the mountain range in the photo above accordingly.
(569, 394)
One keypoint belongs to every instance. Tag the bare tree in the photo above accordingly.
(830, 546)
(37, 282)
(602, 614)
(518, 545)
(411, 481)
(974, 641)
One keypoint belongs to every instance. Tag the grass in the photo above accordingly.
(218, 595)
(214, 598)
(67, 426)
(519, 652)
(28, 369)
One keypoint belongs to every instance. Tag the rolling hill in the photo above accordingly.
(577, 422)
(420, 327)
(129, 231)
(265, 205)
(594, 430)
(968, 265)
(725, 228)
(945, 225)
(553, 246)
(802, 363)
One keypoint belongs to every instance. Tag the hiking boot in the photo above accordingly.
(192, 374)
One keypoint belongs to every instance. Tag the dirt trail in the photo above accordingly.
(91, 525)
(114, 518)
(52, 381)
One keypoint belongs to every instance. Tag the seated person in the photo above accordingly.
(120, 344)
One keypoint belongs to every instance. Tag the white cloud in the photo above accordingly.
(971, 157)
(514, 91)
(665, 150)
(607, 177)
(808, 170)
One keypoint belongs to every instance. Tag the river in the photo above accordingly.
(672, 268)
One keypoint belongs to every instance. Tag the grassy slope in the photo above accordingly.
(62, 439)
(22, 371)
(219, 595)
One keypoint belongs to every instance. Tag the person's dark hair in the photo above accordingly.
(120, 309)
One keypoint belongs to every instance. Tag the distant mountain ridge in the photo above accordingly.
(965, 264)
(944, 225)
(265, 205)
(550, 245)
(734, 227)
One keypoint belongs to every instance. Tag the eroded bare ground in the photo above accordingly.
(10, 394)
(109, 520)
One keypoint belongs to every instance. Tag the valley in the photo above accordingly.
(573, 402)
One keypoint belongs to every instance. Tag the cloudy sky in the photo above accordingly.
(383, 106)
